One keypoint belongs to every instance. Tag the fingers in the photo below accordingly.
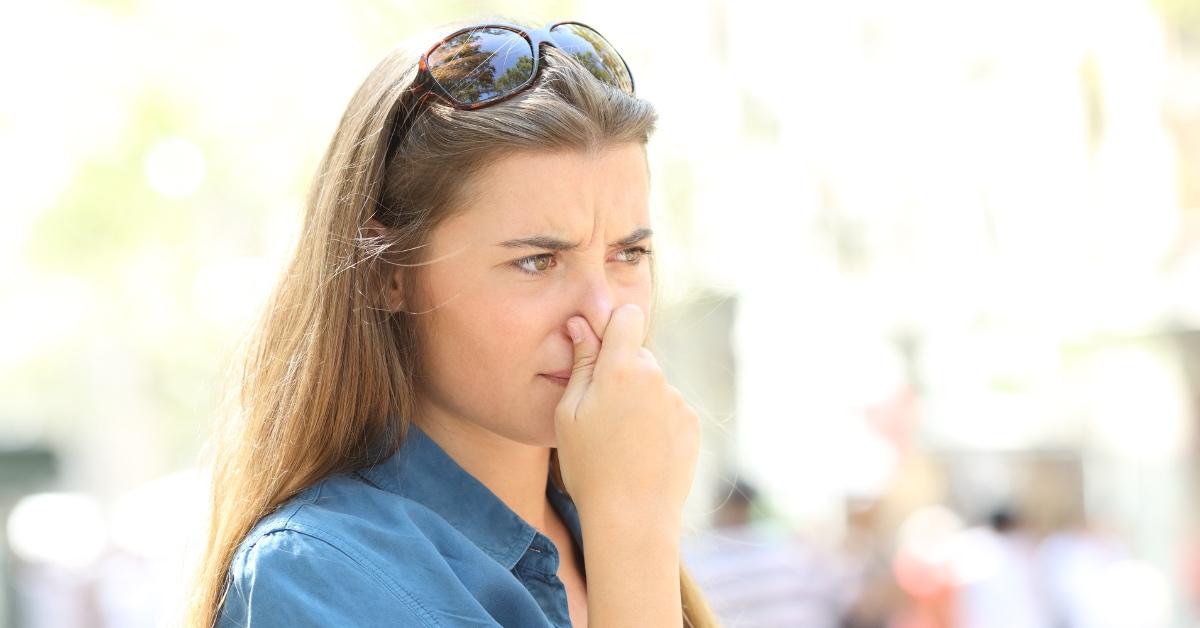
(587, 347)
(623, 335)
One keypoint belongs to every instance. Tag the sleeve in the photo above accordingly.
(294, 580)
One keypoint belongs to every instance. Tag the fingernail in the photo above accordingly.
(573, 329)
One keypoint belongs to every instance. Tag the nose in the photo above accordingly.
(595, 299)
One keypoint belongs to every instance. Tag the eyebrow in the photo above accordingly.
(555, 244)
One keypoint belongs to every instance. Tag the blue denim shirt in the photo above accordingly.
(412, 541)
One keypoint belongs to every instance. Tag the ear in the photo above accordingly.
(394, 284)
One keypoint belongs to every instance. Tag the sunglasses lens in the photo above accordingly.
(482, 64)
(596, 54)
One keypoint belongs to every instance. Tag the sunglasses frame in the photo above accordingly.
(535, 38)
(424, 85)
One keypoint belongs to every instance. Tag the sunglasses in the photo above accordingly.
(483, 65)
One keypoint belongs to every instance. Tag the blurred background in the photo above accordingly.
(931, 274)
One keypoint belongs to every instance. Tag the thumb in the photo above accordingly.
(587, 348)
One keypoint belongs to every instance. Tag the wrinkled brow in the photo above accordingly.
(554, 244)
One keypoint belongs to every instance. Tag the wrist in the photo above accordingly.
(649, 530)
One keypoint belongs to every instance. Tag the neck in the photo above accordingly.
(514, 471)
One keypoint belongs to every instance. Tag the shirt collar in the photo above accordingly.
(422, 471)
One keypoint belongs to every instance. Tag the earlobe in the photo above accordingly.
(394, 288)
(395, 292)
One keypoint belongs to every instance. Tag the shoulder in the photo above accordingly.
(349, 512)
(312, 562)
(288, 578)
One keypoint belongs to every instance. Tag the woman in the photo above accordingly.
(448, 405)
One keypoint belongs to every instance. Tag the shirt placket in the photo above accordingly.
(538, 571)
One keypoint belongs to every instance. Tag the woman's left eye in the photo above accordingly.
(638, 251)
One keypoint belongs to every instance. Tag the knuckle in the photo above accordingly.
(630, 314)
(687, 413)
(652, 371)
(645, 356)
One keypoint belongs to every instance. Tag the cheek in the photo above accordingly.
(496, 336)
(509, 318)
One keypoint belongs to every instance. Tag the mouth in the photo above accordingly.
(557, 378)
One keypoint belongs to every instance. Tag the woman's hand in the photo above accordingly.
(627, 446)
(627, 440)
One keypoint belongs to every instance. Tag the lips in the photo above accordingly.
(562, 378)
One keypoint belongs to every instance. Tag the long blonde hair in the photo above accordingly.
(328, 365)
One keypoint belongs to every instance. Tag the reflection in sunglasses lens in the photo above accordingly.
(596, 54)
(482, 64)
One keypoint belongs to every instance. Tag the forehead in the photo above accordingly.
(562, 191)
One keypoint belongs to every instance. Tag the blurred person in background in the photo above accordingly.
(1074, 568)
(1083, 567)
(448, 404)
(995, 576)
(755, 573)
(867, 549)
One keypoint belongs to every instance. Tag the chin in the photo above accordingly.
(539, 434)
(547, 437)
(543, 433)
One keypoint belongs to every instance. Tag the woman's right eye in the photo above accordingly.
(535, 264)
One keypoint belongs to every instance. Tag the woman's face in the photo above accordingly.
(543, 236)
